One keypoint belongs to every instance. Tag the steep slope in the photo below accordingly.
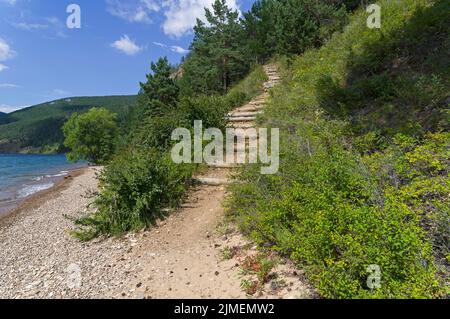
(363, 186)
(38, 128)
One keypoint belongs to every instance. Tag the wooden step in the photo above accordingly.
(249, 108)
(223, 165)
(212, 181)
(261, 98)
(257, 104)
(244, 114)
(242, 119)
(241, 125)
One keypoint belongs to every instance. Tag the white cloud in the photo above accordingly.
(6, 52)
(173, 48)
(30, 26)
(177, 49)
(9, 108)
(9, 86)
(51, 25)
(57, 26)
(127, 46)
(10, 2)
(133, 11)
(152, 4)
(181, 15)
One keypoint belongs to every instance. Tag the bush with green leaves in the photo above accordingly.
(136, 188)
(91, 136)
(325, 210)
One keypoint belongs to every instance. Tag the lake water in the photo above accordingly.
(24, 175)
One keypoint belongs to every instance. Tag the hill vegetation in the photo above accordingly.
(141, 181)
(3, 118)
(364, 120)
(364, 178)
(38, 129)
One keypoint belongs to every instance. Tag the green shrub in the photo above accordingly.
(91, 136)
(156, 131)
(135, 188)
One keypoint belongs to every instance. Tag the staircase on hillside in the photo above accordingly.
(243, 117)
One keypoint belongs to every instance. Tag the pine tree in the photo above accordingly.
(160, 91)
(218, 57)
(154, 118)
(290, 27)
(259, 24)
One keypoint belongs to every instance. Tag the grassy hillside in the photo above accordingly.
(38, 128)
(364, 175)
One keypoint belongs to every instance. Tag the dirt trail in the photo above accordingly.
(182, 257)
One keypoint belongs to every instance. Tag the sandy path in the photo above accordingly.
(180, 258)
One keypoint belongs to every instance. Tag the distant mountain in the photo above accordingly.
(37, 129)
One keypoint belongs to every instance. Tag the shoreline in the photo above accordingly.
(36, 249)
(37, 199)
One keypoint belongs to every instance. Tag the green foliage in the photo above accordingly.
(393, 80)
(4, 118)
(39, 128)
(364, 168)
(134, 191)
(218, 58)
(419, 176)
(211, 109)
(160, 90)
(155, 130)
(91, 136)
(291, 26)
(141, 183)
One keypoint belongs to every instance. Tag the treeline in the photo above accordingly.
(38, 129)
(226, 46)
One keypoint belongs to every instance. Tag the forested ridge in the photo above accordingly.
(365, 145)
(38, 128)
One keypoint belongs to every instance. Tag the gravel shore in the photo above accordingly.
(38, 259)
(182, 257)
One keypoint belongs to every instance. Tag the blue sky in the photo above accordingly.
(41, 59)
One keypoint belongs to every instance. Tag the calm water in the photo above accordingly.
(24, 175)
